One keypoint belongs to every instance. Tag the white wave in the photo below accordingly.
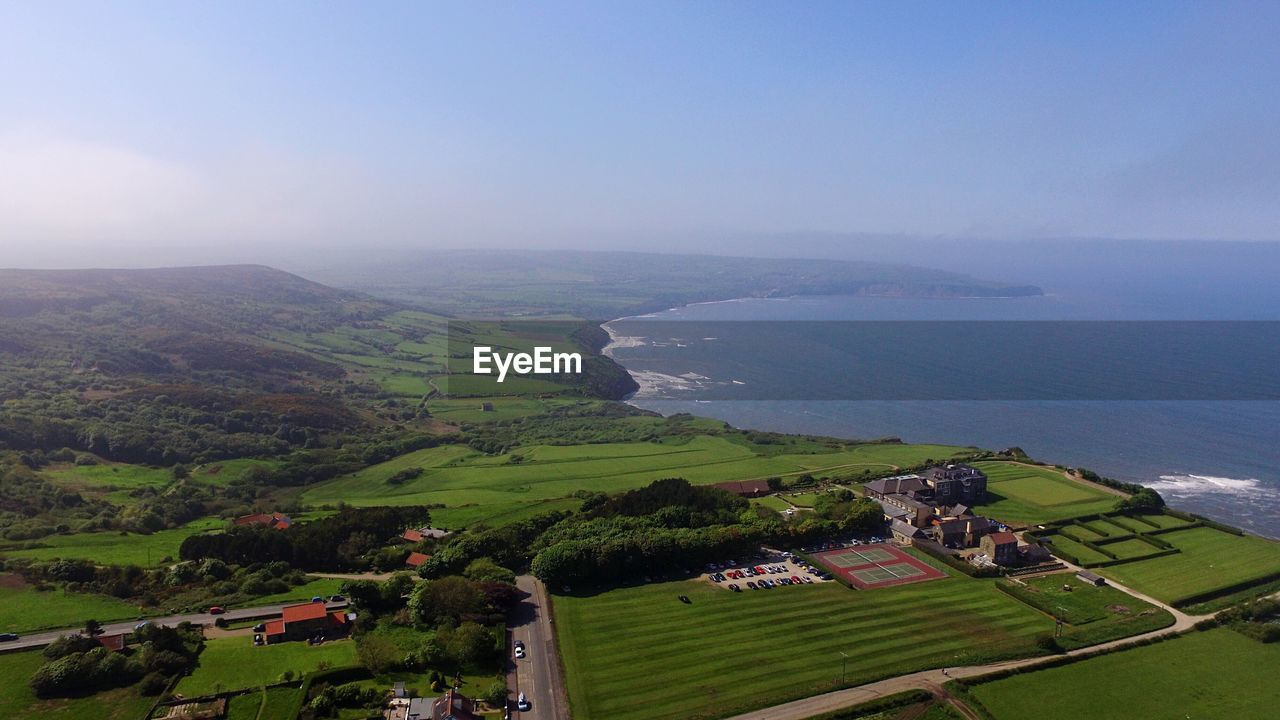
(1184, 484)
(737, 382)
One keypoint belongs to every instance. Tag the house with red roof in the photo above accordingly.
(307, 621)
(114, 643)
(416, 559)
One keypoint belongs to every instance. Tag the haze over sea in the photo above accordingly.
(1216, 457)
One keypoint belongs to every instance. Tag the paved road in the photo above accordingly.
(538, 674)
(43, 638)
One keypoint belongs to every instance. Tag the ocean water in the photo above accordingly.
(1213, 455)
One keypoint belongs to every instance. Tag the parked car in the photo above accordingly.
(260, 627)
(317, 599)
(337, 598)
(522, 703)
(519, 644)
(519, 652)
(257, 639)
(751, 584)
(795, 578)
(8, 637)
(217, 610)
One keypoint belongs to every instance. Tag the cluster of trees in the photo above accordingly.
(77, 664)
(1258, 619)
(509, 546)
(186, 584)
(338, 542)
(328, 701)
(32, 507)
(1143, 500)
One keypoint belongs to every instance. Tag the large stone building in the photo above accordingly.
(956, 483)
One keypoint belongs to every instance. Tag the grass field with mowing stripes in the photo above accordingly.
(1214, 675)
(639, 652)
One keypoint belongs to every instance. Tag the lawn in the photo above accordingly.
(773, 502)
(1214, 675)
(117, 548)
(23, 608)
(457, 476)
(1210, 559)
(266, 704)
(1031, 495)
(18, 701)
(639, 652)
(1131, 548)
(234, 663)
(1082, 553)
(323, 587)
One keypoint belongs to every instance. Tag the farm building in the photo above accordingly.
(306, 621)
(278, 521)
(746, 488)
(416, 559)
(1091, 578)
(415, 535)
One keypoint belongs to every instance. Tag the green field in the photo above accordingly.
(773, 502)
(234, 663)
(23, 608)
(457, 476)
(639, 652)
(1093, 614)
(1209, 559)
(1024, 494)
(18, 701)
(1214, 675)
(118, 548)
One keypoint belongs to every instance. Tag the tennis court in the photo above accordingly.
(873, 566)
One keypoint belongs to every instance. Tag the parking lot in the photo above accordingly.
(768, 571)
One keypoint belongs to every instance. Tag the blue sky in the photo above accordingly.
(612, 124)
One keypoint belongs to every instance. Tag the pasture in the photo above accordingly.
(23, 608)
(266, 704)
(638, 652)
(1029, 495)
(1170, 679)
(118, 548)
(1209, 559)
(18, 701)
(456, 476)
(234, 663)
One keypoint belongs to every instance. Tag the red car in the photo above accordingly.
(795, 579)
(216, 610)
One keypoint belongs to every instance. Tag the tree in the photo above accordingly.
(92, 628)
(378, 653)
(449, 598)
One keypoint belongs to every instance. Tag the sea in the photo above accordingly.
(769, 364)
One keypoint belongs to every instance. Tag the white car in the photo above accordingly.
(522, 703)
(519, 652)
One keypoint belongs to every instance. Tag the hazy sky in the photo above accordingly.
(602, 124)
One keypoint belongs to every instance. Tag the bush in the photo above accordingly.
(495, 694)
(153, 683)
(1048, 643)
